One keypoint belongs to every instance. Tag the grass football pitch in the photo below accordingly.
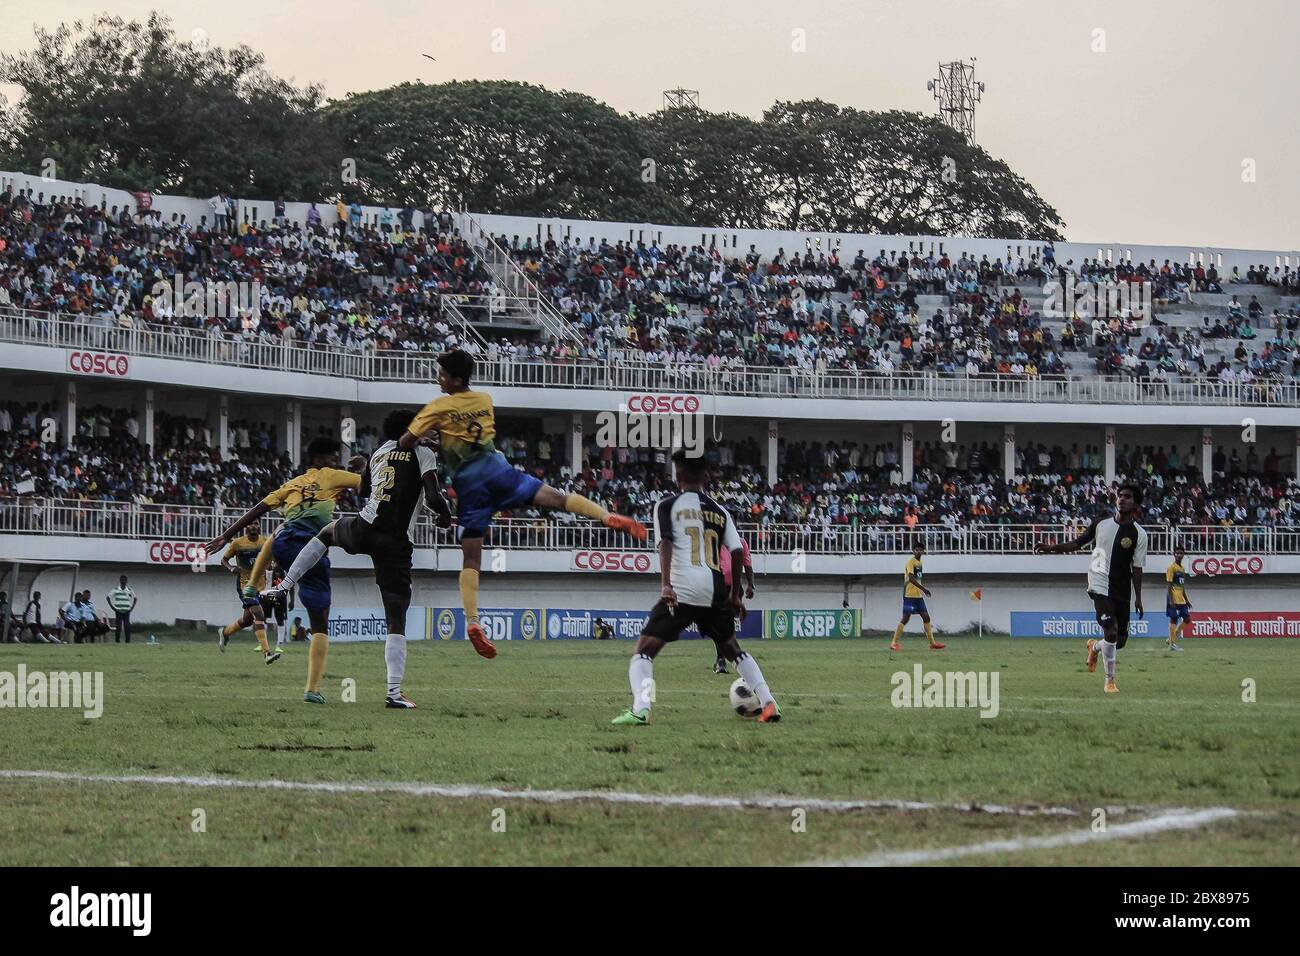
(203, 758)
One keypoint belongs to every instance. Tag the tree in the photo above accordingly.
(125, 104)
(501, 147)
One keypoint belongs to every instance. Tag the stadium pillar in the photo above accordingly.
(148, 420)
(223, 427)
(1207, 455)
(1110, 453)
(70, 419)
(908, 454)
(575, 444)
(347, 433)
(769, 459)
(1297, 453)
(292, 423)
(1008, 453)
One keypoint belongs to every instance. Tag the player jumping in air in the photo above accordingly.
(693, 530)
(1119, 549)
(240, 556)
(914, 595)
(1177, 608)
(392, 485)
(307, 503)
(484, 481)
(724, 558)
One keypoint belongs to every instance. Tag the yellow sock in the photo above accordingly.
(1173, 632)
(579, 505)
(320, 645)
(231, 629)
(261, 639)
(898, 632)
(469, 592)
(929, 632)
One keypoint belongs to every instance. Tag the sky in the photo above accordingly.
(1142, 121)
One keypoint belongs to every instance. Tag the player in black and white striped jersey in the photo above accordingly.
(693, 530)
(393, 484)
(1119, 549)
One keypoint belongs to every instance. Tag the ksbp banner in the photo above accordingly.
(1080, 624)
(101, 364)
(580, 623)
(619, 562)
(780, 624)
(1245, 624)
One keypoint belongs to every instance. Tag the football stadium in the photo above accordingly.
(349, 503)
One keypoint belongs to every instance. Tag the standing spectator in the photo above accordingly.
(122, 600)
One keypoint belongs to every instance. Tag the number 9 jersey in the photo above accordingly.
(466, 426)
(700, 529)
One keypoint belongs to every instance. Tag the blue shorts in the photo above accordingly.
(314, 587)
(914, 606)
(1178, 612)
(486, 486)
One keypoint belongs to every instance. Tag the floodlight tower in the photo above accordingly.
(957, 93)
(681, 99)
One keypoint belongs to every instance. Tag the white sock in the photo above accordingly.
(311, 552)
(641, 675)
(748, 668)
(395, 657)
(1108, 656)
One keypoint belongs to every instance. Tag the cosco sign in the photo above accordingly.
(1232, 564)
(637, 561)
(177, 552)
(99, 363)
(663, 404)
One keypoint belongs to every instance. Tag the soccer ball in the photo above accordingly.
(743, 700)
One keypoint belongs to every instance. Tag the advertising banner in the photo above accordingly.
(1082, 624)
(368, 623)
(580, 623)
(1245, 624)
(841, 622)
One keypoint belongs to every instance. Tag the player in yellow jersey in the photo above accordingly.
(484, 481)
(914, 595)
(1177, 607)
(307, 503)
(239, 558)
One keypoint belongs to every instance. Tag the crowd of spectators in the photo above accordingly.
(380, 284)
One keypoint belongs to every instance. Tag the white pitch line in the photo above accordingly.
(1170, 820)
(475, 791)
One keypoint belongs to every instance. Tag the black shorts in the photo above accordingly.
(274, 610)
(1109, 609)
(390, 553)
(714, 622)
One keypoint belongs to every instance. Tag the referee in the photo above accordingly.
(122, 600)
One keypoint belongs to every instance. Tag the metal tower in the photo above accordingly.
(957, 93)
(681, 99)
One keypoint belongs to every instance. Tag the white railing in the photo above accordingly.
(99, 519)
(624, 372)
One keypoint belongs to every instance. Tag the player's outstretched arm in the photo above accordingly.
(1137, 589)
(242, 522)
